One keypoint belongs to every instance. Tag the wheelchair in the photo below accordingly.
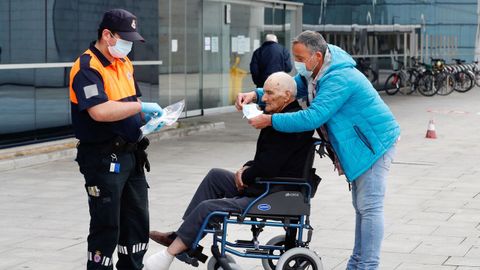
(286, 204)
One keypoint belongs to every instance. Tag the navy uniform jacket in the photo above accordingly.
(278, 154)
(271, 57)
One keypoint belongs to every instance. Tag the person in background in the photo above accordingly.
(271, 57)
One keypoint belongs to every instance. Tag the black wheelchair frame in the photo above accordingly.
(276, 207)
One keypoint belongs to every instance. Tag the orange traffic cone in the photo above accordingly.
(431, 134)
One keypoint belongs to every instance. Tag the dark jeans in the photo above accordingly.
(118, 204)
(217, 192)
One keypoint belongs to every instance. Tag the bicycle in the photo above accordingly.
(402, 80)
(363, 64)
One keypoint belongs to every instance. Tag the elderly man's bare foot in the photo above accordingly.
(164, 239)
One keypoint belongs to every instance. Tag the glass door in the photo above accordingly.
(231, 32)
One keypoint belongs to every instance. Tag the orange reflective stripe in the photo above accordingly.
(118, 80)
(75, 69)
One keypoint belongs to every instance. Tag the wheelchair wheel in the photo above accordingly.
(299, 258)
(212, 263)
(279, 240)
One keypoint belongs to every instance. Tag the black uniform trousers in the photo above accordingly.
(118, 204)
(217, 192)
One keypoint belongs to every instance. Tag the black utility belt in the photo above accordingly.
(116, 145)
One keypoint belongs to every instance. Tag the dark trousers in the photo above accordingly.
(217, 192)
(118, 204)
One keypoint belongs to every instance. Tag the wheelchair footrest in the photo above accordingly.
(257, 251)
(187, 259)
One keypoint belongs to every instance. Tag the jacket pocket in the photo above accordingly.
(363, 138)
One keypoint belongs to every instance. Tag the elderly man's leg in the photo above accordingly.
(218, 183)
(188, 231)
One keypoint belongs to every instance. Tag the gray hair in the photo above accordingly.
(271, 37)
(314, 41)
(281, 81)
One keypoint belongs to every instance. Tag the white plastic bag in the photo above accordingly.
(172, 112)
(169, 117)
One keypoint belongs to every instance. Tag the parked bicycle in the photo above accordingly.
(402, 80)
(364, 65)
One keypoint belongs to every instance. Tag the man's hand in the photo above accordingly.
(245, 98)
(261, 121)
(238, 179)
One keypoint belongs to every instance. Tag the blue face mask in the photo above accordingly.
(121, 48)
(302, 68)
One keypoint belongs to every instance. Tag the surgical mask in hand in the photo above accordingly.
(121, 48)
(302, 69)
(251, 110)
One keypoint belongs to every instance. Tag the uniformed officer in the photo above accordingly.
(106, 116)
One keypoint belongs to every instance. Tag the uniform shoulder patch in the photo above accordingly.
(90, 91)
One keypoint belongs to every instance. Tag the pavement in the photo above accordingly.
(432, 208)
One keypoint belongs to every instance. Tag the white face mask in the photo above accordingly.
(121, 48)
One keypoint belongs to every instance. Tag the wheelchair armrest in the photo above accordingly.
(280, 180)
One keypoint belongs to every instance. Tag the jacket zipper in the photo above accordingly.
(363, 138)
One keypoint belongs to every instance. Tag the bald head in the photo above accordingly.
(281, 81)
(279, 90)
(271, 37)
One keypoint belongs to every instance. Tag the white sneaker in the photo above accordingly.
(159, 261)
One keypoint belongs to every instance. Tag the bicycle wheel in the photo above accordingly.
(392, 84)
(477, 78)
(463, 82)
(445, 84)
(410, 85)
(370, 74)
(426, 85)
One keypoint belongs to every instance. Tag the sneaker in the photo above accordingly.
(164, 239)
(159, 261)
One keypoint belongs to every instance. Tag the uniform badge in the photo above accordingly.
(134, 24)
(97, 257)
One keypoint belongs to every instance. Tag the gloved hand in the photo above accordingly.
(151, 109)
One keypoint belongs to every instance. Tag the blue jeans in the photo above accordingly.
(368, 192)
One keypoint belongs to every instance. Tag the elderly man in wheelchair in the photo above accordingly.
(272, 190)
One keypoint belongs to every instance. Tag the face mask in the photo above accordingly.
(302, 68)
(121, 48)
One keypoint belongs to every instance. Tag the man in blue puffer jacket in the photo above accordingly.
(346, 109)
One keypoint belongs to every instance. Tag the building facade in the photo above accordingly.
(200, 50)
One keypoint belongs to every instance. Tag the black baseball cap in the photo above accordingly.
(123, 23)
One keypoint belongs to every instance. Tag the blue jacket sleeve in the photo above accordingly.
(332, 92)
(302, 89)
(259, 92)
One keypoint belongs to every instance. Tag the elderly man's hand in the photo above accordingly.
(238, 179)
(261, 121)
(245, 98)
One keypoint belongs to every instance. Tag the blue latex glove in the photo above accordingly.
(151, 109)
(147, 117)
